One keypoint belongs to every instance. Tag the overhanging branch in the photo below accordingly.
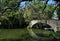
(45, 5)
(17, 5)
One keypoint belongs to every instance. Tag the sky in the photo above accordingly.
(22, 5)
(51, 2)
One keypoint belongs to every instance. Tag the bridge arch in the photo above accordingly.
(42, 26)
(51, 23)
(33, 22)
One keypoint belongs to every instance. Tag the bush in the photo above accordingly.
(16, 20)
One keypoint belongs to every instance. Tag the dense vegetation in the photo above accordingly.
(11, 16)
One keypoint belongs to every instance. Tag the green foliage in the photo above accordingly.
(34, 11)
(31, 12)
(58, 9)
(3, 17)
(27, 14)
(49, 8)
(14, 19)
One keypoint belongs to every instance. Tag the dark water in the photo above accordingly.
(28, 40)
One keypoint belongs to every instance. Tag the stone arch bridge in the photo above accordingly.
(55, 24)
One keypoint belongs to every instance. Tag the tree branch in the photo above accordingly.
(17, 5)
(56, 7)
(45, 5)
(5, 10)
